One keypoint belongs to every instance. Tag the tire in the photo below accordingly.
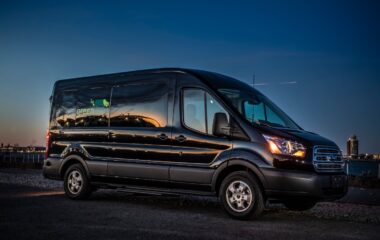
(241, 196)
(76, 183)
(300, 205)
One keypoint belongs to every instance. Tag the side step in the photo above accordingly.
(153, 190)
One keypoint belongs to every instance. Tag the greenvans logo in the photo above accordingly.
(94, 103)
(100, 103)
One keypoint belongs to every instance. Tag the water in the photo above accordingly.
(21, 159)
(363, 168)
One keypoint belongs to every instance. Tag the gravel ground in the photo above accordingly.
(34, 213)
(28, 177)
(342, 210)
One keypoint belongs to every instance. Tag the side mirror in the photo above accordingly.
(220, 126)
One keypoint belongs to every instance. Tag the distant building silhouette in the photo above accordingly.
(28, 149)
(353, 147)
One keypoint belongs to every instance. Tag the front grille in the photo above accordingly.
(327, 159)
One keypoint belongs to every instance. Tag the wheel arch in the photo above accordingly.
(70, 160)
(237, 165)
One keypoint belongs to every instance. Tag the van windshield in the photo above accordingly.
(257, 109)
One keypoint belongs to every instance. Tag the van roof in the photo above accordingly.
(121, 74)
(210, 78)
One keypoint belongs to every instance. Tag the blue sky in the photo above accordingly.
(329, 48)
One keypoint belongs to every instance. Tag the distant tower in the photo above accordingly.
(353, 147)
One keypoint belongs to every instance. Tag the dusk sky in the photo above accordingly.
(329, 50)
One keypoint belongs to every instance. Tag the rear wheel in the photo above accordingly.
(76, 183)
(241, 196)
(300, 205)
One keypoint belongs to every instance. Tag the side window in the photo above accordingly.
(212, 107)
(199, 108)
(140, 105)
(194, 109)
(92, 107)
(63, 112)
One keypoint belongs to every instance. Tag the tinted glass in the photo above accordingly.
(63, 112)
(212, 107)
(140, 105)
(273, 117)
(194, 109)
(256, 108)
(237, 92)
(254, 111)
(92, 107)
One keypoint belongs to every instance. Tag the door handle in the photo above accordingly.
(180, 138)
(163, 136)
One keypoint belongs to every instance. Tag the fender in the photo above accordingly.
(74, 153)
(252, 156)
(251, 166)
(221, 159)
(75, 149)
(244, 158)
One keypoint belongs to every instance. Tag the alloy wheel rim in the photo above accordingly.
(75, 182)
(239, 196)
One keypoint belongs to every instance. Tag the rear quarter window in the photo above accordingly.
(64, 108)
(92, 108)
(81, 107)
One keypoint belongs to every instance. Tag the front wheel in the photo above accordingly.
(241, 196)
(300, 205)
(76, 183)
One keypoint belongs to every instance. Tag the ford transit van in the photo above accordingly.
(183, 131)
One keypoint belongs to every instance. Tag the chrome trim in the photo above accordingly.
(327, 159)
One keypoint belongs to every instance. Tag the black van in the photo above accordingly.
(182, 131)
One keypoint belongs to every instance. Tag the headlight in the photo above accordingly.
(285, 147)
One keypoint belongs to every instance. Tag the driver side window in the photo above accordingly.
(199, 110)
(194, 109)
(212, 107)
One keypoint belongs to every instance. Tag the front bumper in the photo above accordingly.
(282, 184)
